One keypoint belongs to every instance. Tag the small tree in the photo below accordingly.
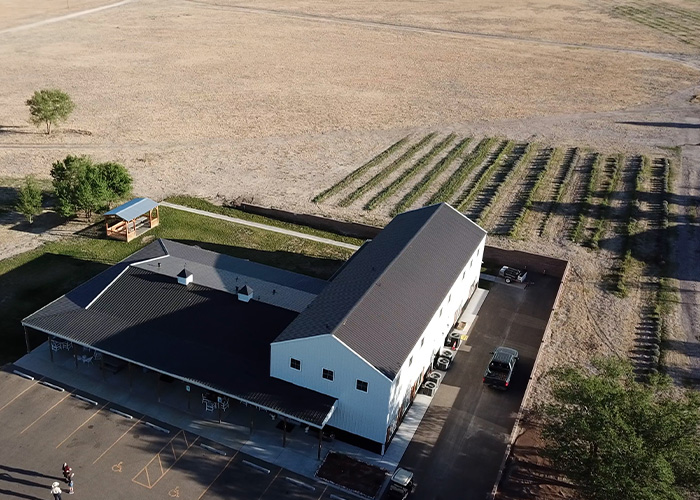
(29, 199)
(49, 106)
(81, 185)
(619, 439)
(117, 179)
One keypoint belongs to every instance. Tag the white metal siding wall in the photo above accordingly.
(434, 335)
(361, 413)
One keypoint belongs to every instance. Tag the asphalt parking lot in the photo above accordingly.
(460, 443)
(115, 457)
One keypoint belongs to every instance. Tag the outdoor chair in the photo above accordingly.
(210, 406)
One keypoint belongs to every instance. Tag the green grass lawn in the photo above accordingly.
(33, 279)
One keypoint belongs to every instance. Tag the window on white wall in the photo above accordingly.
(328, 374)
(361, 385)
(410, 361)
(295, 363)
(422, 341)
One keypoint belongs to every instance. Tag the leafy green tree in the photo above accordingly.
(82, 186)
(49, 106)
(29, 199)
(619, 439)
(117, 179)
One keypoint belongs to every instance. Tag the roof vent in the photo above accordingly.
(185, 277)
(245, 293)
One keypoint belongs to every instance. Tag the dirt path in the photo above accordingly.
(686, 269)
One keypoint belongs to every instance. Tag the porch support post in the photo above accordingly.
(284, 432)
(50, 348)
(320, 436)
(250, 411)
(26, 340)
(75, 356)
(158, 388)
(131, 376)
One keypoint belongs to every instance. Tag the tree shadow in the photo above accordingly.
(26, 472)
(9, 493)
(41, 223)
(662, 124)
(31, 286)
(17, 129)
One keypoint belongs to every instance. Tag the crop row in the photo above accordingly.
(527, 195)
(587, 203)
(613, 164)
(394, 186)
(386, 171)
(448, 189)
(355, 174)
(640, 166)
(560, 182)
(422, 185)
(468, 194)
(520, 155)
(656, 21)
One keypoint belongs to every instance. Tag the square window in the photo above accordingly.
(328, 374)
(295, 363)
(361, 385)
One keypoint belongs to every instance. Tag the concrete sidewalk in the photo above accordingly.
(258, 225)
(299, 454)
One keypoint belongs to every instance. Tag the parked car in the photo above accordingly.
(400, 484)
(510, 274)
(500, 369)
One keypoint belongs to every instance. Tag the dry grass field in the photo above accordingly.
(585, 111)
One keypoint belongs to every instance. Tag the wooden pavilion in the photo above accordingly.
(132, 219)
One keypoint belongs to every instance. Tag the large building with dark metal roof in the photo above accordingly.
(348, 353)
(372, 333)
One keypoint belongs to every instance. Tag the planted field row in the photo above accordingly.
(627, 226)
(421, 187)
(523, 202)
(560, 182)
(408, 174)
(510, 163)
(520, 190)
(483, 175)
(613, 172)
(386, 171)
(356, 174)
(586, 203)
(679, 23)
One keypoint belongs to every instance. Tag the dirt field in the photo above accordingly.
(276, 101)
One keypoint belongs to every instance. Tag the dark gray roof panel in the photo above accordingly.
(381, 302)
(195, 333)
(262, 272)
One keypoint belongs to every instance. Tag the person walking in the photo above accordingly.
(67, 472)
(56, 490)
(70, 484)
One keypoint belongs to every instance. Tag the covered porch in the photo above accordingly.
(132, 219)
